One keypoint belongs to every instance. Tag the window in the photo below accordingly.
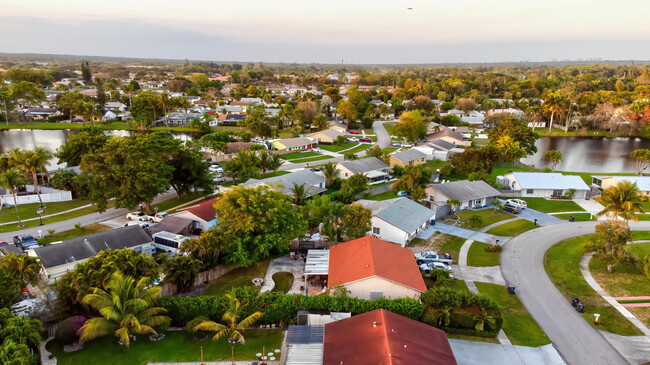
(376, 295)
(529, 191)
(375, 230)
(557, 192)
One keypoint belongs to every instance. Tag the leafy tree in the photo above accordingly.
(347, 111)
(257, 222)
(319, 210)
(10, 289)
(624, 200)
(518, 131)
(12, 353)
(411, 126)
(244, 165)
(70, 102)
(355, 221)
(555, 103)
(232, 327)
(377, 152)
(7, 99)
(554, 157)
(127, 308)
(256, 121)
(350, 156)
(510, 149)
(24, 267)
(146, 106)
(181, 270)
(28, 162)
(29, 92)
(12, 180)
(642, 157)
(331, 173)
(85, 141)
(22, 330)
(475, 221)
(609, 243)
(413, 181)
(215, 141)
(466, 104)
(353, 186)
(208, 249)
(86, 72)
(450, 120)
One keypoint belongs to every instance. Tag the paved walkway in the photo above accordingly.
(480, 353)
(635, 349)
(486, 274)
(591, 206)
(284, 264)
(45, 355)
(465, 233)
(584, 268)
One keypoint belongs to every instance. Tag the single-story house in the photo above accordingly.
(314, 183)
(328, 136)
(231, 149)
(470, 194)
(109, 115)
(337, 126)
(177, 225)
(373, 168)
(370, 268)
(58, 258)
(439, 150)
(251, 101)
(398, 220)
(383, 337)
(203, 213)
(115, 106)
(227, 119)
(410, 157)
(543, 184)
(448, 135)
(606, 182)
(294, 144)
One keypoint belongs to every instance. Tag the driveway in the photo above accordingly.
(462, 232)
(522, 264)
(481, 353)
(543, 219)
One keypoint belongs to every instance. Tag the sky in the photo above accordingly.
(332, 31)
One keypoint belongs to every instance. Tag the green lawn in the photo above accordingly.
(445, 243)
(518, 324)
(26, 211)
(283, 281)
(383, 196)
(336, 148)
(77, 232)
(175, 347)
(513, 228)
(165, 206)
(562, 263)
(360, 147)
(579, 217)
(628, 279)
(571, 133)
(389, 127)
(295, 155)
(552, 206)
(236, 278)
(640, 250)
(489, 216)
(274, 174)
(477, 256)
(640, 235)
(56, 218)
(459, 285)
(317, 158)
(105, 126)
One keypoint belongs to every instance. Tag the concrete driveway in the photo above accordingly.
(543, 219)
(464, 233)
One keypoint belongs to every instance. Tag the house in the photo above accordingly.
(228, 119)
(516, 113)
(294, 144)
(543, 184)
(58, 258)
(115, 106)
(469, 194)
(439, 150)
(177, 224)
(383, 337)
(606, 182)
(251, 101)
(474, 118)
(370, 268)
(398, 220)
(109, 115)
(231, 149)
(410, 157)
(203, 213)
(337, 126)
(448, 135)
(373, 168)
(328, 136)
(314, 183)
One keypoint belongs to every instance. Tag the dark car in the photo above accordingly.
(367, 140)
(511, 209)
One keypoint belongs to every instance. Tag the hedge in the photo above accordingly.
(446, 297)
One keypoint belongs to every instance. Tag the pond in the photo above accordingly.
(586, 154)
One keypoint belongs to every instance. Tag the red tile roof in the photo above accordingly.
(369, 256)
(381, 337)
(204, 210)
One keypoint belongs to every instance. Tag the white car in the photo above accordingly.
(353, 139)
(517, 203)
(216, 169)
(156, 218)
(141, 224)
(138, 216)
(429, 266)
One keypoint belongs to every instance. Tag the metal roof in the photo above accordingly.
(549, 181)
(466, 190)
(406, 214)
(305, 354)
(318, 262)
(408, 155)
(364, 165)
(284, 183)
(642, 182)
(305, 334)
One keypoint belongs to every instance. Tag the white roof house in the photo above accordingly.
(605, 182)
(543, 184)
(398, 220)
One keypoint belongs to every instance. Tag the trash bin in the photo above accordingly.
(511, 289)
(433, 222)
(575, 301)
(581, 308)
(572, 218)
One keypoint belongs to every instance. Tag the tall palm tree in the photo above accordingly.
(127, 308)
(42, 157)
(181, 270)
(264, 161)
(23, 266)
(28, 161)
(299, 194)
(11, 180)
(231, 327)
(275, 162)
(624, 200)
(166, 102)
(554, 157)
(331, 173)
(554, 103)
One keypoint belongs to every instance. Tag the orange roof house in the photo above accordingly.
(371, 268)
(202, 212)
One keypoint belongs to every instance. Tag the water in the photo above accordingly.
(53, 139)
(586, 154)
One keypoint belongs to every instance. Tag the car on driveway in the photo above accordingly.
(432, 256)
(365, 140)
(353, 139)
(25, 242)
(511, 208)
(216, 169)
(518, 203)
(156, 218)
(138, 216)
(426, 268)
(354, 132)
(137, 223)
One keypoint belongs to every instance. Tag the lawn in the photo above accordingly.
(77, 232)
(459, 285)
(518, 324)
(445, 243)
(562, 264)
(552, 206)
(26, 211)
(477, 256)
(175, 347)
(296, 155)
(640, 235)
(360, 147)
(389, 127)
(579, 217)
(489, 216)
(317, 158)
(383, 196)
(513, 228)
(237, 278)
(639, 249)
(628, 279)
(283, 281)
(53, 219)
(165, 206)
(336, 148)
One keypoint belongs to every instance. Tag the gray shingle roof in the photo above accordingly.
(295, 142)
(445, 132)
(406, 214)
(75, 249)
(408, 155)
(466, 190)
(364, 165)
(284, 183)
(441, 145)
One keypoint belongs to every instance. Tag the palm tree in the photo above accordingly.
(442, 317)
(554, 157)
(11, 180)
(264, 161)
(331, 173)
(623, 199)
(230, 327)
(454, 203)
(482, 319)
(28, 161)
(166, 102)
(299, 194)
(554, 103)
(275, 162)
(24, 267)
(127, 308)
(181, 270)
(42, 157)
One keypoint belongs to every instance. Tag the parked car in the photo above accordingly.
(25, 242)
(365, 140)
(156, 218)
(402, 194)
(511, 208)
(352, 139)
(137, 223)
(426, 268)
(518, 203)
(3, 244)
(138, 216)
(354, 132)
(432, 256)
(216, 169)
(219, 179)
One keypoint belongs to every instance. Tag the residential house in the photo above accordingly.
(314, 182)
(398, 220)
(370, 268)
(383, 337)
(328, 136)
(410, 157)
(228, 120)
(473, 117)
(109, 115)
(115, 106)
(58, 258)
(438, 150)
(543, 184)
(448, 135)
(373, 168)
(231, 149)
(251, 101)
(203, 213)
(41, 113)
(516, 113)
(294, 144)
(469, 194)
(337, 126)
(606, 182)
(176, 224)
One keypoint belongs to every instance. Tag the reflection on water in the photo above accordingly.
(600, 155)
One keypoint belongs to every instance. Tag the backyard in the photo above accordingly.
(283, 281)
(237, 278)
(513, 228)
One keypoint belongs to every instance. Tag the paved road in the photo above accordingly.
(383, 139)
(522, 264)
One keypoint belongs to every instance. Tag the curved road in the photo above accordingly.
(522, 264)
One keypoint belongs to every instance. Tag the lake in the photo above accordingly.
(587, 154)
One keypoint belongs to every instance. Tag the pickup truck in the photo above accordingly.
(432, 256)
(25, 242)
(156, 218)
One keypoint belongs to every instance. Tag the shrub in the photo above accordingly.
(475, 221)
(446, 297)
(66, 330)
(493, 248)
(193, 323)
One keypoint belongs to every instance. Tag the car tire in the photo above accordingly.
(151, 220)
(129, 218)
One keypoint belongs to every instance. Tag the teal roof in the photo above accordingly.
(406, 214)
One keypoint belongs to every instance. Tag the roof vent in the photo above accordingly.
(404, 346)
(375, 323)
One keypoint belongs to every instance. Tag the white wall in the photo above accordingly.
(547, 193)
(27, 199)
(361, 289)
(389, 232)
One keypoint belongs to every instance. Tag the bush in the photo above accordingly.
(493, 248)
(193, 323)
(66, 330)
(446, 297)
(475, 221)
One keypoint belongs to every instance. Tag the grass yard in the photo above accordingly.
(445, 243)
(360, 147)
(513, 228)
(389, 127)
(579, 217)
(27, 211)
(296, 155)
(165, 206)
(383, 196)
(473, 338)
(53, 219)
(489, 216)
(639, 249)
(175, 347)
(236, 278)
(640, 235)
(336, 148)
(459, 285)
(283, 281)
(518, 324)
(317, 158)
(77, 232)
(477, 256)
(274, 174)
(552, 206)
(562, 263)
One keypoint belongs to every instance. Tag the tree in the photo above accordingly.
(181, 270)
(24, 267)
(319, 210)
(450, 120)
(275, 162)
(308, 110)
(554, 157)
(89, 112)
(518, 131)
(232, 327)
(208, 249)
(475, 221)
(413, 181)
(265, 161)
(510, 149)
(624, 200)
(331, 173)
(86, 72)
(454, 203)
(353, 186)
(146, 106)
(41, 158)
(12, 353)
(646, 265)
(642, 157)
(377, 152)
(554, 102)
(127, 308)
(256, 121)
(466, 104)
(472, 160)
(29, 162)
(411, 126)
(257, 222)
(11, 180)
(22, 330)
(299, 194)
(319, 122)
(29, 92)
(350, 156)
(442, 316)
(609, 243)
(483, 319)
(355, 221)
(7, 99)
(243, 166)
(10, 289)
(85, 141)
(347, 111)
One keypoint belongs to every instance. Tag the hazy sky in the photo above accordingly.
(356, 31)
